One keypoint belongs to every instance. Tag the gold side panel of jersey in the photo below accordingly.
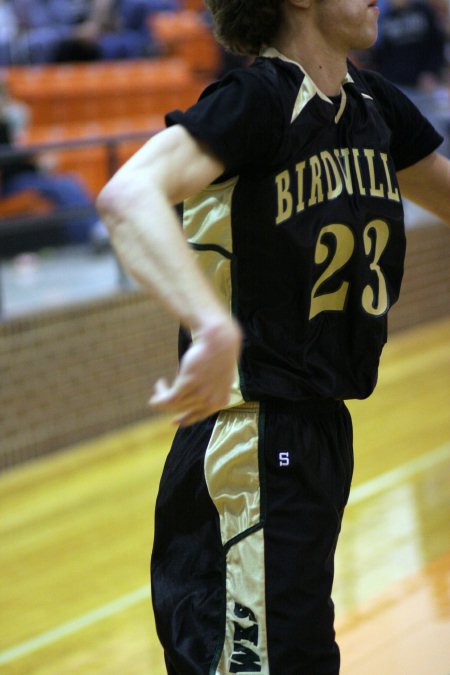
(207, 226)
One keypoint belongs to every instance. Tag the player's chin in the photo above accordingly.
(365, 39)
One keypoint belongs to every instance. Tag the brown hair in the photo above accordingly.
(245, 26)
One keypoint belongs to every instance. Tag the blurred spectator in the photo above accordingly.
(410, 48)
(134, 14)
(441, 9)
(80, 30)
(15, 114)
(8, 32)
(382, 6)
(410, 52)
(43, 24)
(132, 37)
(25, 172)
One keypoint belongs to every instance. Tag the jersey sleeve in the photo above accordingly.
(238, 118)
(413, 136)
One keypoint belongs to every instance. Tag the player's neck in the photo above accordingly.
(325, 64)
(327, 71)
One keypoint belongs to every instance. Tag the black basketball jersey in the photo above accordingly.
(303, 236)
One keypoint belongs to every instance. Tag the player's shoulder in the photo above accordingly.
(277, 72)
(374, 84)
(389, 99)
(266, 80)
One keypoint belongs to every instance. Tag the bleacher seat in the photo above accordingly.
(187, 36)
(64, 93)
(100, 100)
(25, 203)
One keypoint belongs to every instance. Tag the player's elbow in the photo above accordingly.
(124, 196)
(147, 180)
(108, 205)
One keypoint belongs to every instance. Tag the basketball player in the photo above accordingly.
(291, 173)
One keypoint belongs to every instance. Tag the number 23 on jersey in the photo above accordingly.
(374, 297)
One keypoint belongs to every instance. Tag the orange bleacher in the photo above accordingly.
(102, 101)
(91, 92)
(186, 35)
(107, 99)
(194, 5)
(27, 202)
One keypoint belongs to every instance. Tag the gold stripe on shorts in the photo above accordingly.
(233, 479)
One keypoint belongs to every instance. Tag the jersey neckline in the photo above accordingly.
(309, 88)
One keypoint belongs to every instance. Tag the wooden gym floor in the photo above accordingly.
(76, 532)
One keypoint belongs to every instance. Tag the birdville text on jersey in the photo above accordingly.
(324, 177)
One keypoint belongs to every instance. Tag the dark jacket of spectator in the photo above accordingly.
(411, 44)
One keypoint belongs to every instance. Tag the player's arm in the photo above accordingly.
(137, 207)
(427, 183)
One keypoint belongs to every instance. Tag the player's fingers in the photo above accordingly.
(161, 386)
(160, 391)
(199, 410)
(178, 397)
(190, 417)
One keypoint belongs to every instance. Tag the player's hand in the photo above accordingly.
(206, 373)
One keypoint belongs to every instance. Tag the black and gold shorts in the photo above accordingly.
(247, 519)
